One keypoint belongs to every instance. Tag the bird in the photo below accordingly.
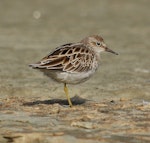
(73, 63)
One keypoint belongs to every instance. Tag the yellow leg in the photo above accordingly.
(66, 92)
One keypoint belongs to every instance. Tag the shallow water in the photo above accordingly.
(113, 106)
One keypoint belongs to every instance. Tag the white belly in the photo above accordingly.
(74, 78)
(70, 78)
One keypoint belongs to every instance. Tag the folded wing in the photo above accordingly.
(70, 57)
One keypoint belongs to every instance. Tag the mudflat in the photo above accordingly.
(112, 106)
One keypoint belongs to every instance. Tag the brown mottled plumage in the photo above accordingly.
(73, 63)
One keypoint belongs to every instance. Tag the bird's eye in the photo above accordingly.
(98, 43)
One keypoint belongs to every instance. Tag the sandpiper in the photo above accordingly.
(73, 63)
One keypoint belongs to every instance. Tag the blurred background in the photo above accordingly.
(30, 29)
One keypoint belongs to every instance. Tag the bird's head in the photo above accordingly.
(97, 44)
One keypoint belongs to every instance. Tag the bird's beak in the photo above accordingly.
(111, 51)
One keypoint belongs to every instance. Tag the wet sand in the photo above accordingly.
(112, 106)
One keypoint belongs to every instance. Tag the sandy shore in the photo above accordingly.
(113, 106)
